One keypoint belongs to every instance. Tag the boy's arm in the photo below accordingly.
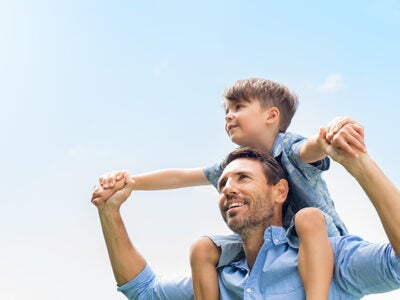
(170, 179)
(345, 134)
(157, 180)
(311, 151)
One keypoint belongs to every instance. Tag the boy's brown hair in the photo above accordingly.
(269, 94)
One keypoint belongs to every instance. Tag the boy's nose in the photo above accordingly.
(228, 117)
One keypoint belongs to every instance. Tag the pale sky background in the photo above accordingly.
(88, 87)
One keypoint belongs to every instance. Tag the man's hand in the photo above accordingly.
(114, 197)
(352, 163)
(346, 134)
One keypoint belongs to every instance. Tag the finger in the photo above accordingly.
(115, 176)
(95, 195)
(331, 124)
(354, 135)
(346, 148)
(120, 175)
(359, 128)
(102, 179)
(107, 180)
(129, 181)
(347, 142)
(97, 201)
(340, 122)
(357, 141)
(333, 128)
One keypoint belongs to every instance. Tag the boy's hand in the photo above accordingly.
(109, 180)
(346, 134)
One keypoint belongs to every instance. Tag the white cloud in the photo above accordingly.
(333, 82)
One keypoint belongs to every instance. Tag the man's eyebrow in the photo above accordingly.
(221, 183)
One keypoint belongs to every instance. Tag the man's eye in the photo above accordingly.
(242, 176)
(221, 185)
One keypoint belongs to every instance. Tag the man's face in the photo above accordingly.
(245, 197)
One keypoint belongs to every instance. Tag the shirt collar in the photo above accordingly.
(275, 235)
(277, 146)
(272, 234)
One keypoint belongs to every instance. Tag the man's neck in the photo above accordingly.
(252, 243)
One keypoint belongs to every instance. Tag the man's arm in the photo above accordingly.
(381, 191)
(135, 278)
(126, 261)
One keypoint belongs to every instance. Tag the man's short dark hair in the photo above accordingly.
(272, 169)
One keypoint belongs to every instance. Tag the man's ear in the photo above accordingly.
(281, 190)
(272, 115)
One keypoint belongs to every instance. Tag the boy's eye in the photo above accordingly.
(238, 106)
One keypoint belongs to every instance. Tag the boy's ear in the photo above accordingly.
(272, 115)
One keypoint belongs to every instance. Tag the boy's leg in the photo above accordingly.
(316, 260)
(204, 257)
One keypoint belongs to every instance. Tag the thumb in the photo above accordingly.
(129, 182)
(322, 136)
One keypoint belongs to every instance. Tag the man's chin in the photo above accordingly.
(234, 225)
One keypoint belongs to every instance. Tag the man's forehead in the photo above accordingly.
(242, 164)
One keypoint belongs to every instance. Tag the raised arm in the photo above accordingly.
(126, 261)
(342, 132)
(383, 194)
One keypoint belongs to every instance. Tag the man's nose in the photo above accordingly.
(229, 188)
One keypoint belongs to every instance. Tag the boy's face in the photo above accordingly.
(245, 121)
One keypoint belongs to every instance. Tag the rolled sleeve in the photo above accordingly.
(147, 285)
(308, 170)
(138, 286)
(366, 268)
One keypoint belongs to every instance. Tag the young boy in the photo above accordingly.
(258, 112)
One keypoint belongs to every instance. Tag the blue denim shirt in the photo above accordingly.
(306, 186)
(361, 268)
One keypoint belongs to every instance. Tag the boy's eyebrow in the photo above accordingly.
(228, 102)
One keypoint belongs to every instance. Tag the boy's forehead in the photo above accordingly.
(230, 102)
(227, 101)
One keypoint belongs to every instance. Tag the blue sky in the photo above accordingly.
(88, 87)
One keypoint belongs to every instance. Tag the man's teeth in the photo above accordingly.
(233, 205)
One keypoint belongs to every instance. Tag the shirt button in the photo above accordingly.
(248, 290)
(276, 241)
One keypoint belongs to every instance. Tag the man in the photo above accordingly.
(252, 192)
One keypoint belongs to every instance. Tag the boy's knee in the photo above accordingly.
(309, 219)
(204, 251)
